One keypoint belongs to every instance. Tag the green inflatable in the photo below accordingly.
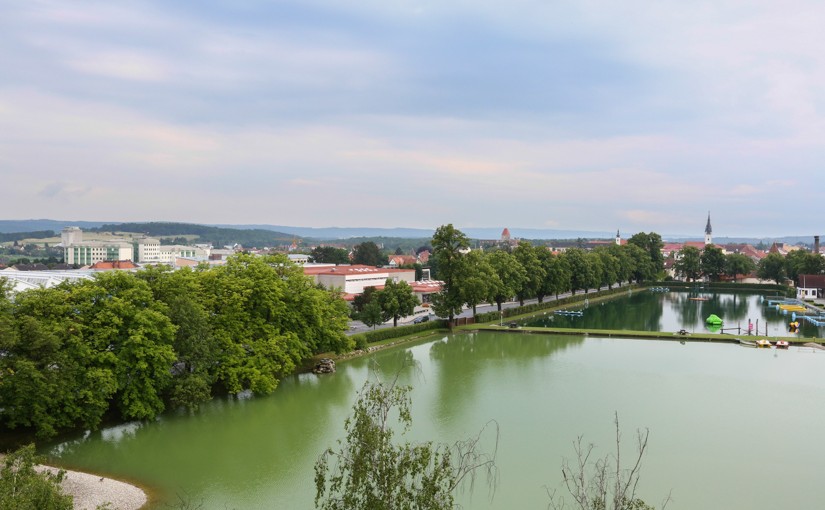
(714, 319)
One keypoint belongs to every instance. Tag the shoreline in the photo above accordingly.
(91, 491)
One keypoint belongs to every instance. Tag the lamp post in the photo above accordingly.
(501, 317)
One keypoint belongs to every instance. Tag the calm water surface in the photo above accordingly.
(675, 310)
(730, 427)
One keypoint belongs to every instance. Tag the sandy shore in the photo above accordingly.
(90, 491)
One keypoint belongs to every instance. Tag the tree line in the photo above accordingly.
(527, 271)
(129, 345)
(711, 263)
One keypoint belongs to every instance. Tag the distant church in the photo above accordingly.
(708, 232)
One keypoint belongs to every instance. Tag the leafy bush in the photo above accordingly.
(23, 488)
(369, 337)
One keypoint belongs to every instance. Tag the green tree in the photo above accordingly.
(737, 263)
(527, 255)
(652, 245)
(479, 286)
(624, 270)
(800, 262)
(772, 267)
(559, 275)
(610, 267)
(368, 253)
(370, 470)
(713, 262)
(581, 271)
(50, 376)
(643, 268)
(372, 315)
(449, 244)
(510, 276)
(330, 255)
(194, 345)
(133, 336)
(24, 488)
(597, 270)
(397, 300)
(689, 263)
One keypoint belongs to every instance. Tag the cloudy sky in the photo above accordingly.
(587, 114)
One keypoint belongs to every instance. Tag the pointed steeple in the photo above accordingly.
(708, 232)
(618, 237)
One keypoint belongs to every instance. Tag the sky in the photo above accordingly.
(575, 115)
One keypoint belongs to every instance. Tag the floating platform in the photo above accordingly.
(570, 313)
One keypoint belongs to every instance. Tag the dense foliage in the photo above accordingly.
(369, 254)
(531, 271)
(329, 255)
(131, 344)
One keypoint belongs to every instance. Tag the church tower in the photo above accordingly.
(618, 238)
(708, 232)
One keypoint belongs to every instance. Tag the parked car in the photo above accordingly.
(419, 320)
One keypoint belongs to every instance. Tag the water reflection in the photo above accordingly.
(673, 311)
(466, 364)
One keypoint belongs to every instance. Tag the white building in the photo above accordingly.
(352, 280)
(88, 252)
(141, 250)
(146, 250)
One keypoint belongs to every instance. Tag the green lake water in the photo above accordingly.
(730, 427)
(675, 310)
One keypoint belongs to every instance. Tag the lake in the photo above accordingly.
(730, 427)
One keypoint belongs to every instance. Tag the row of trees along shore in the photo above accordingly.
(127, 345)
(527, 271)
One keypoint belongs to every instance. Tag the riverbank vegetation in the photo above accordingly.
(128, 345)
(22, 487)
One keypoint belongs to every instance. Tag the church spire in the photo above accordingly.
(708, 232)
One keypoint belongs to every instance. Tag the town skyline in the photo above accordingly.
(573, 116)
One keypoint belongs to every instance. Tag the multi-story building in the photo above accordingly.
(141, 250)
(146, 250)
(88, 252)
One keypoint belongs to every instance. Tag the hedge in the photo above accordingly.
(370, 337)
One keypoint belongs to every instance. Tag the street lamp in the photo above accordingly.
(501, 318)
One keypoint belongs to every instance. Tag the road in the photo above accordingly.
(359, 327)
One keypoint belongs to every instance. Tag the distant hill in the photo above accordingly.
(11, 226)
(217, 236)
(341, 233)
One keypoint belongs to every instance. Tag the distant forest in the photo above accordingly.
(19, 236)
(217, 236)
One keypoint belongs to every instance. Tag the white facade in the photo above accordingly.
(168, 254)
(89, 252)
(354, 279)
(147, 250)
